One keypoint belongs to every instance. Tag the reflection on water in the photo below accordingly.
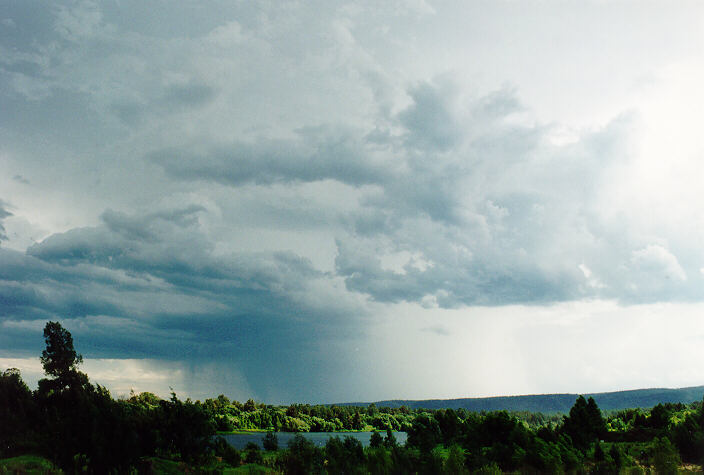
(239, 441)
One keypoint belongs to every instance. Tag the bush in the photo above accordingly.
(229, 454)
(344, 456)
(664, 458)
(303, 456)
(253, 454)
(270, 442)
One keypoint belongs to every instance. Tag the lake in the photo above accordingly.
(239, 441)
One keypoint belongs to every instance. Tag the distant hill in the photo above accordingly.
(552, 403)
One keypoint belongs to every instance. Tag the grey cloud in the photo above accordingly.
(317, 155)
(168, 246)
(300, 126)
(500, 103)
(438, 330)
(150, 286)
(66, 116)
(4, 213)
(429, 120)
(194, 18)
(139, 226)
(456, 279)
(176, 98)
(31, 24)
(503, 217)
(129, 112)
(188, 95)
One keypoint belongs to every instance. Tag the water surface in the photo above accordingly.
(239, 441)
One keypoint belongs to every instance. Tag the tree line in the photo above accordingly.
(80, 427)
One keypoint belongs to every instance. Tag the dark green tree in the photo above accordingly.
(250, 405)
(253, 454)
(455, 460)
(450, 425)
(390, 439)
(303, 457)
(665, 458)
(689, 436)
(424, 433)
(17, 414)
(187, 428)
(357, 423)
(270, 442)
(229, 454)
(599, 455)
(60, 360)
(372, 410)
(585, 424)
(344, 456)
(376, 440)
(597, 424)
(659, 417)
(379, 461)
(617, 460)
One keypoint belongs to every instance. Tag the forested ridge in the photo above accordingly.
(71, 425)
(552, 403)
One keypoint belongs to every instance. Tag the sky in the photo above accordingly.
(329, 201)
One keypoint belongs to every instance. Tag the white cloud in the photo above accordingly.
(585, 346)
(657, 259)
(122, 376)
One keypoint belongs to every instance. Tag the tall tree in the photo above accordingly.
(60, 360)
(585, 423)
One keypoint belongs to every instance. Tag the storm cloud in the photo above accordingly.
(250, 194)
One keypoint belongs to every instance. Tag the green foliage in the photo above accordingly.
(390, 439)
(302, 457)
(501, 439)
(450, 425)
(424, 433)
(250, 406)
(60, 360)
(30, 464)
(228, 454)
(433, 461)
(664, 456)
(384, 421)
(253, 454)
(489, 469)
(379, 461)
(18, 414)
(251, 469)
(59, 357)
(81, 428)
(455, 462)
(585, 423)
(616, 458)
(344, 456)
(376, 440)
(145, 400)
(187, 429)
(270, 442)
(689, 436)
(84, 429)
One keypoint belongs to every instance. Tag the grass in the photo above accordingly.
(30, 464)
(163, 466)
(251, 468)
